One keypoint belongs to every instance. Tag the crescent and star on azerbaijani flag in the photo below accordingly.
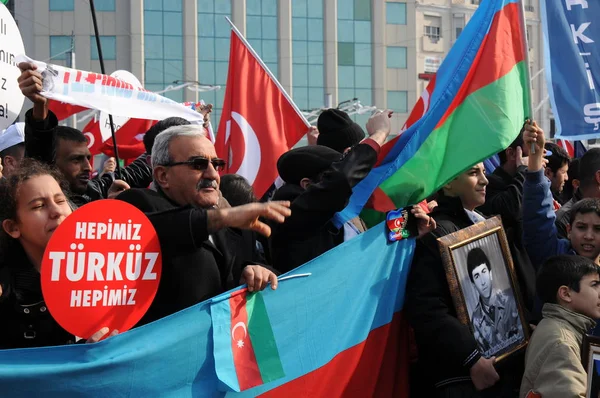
(240, 342)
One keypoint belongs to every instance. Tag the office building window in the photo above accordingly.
(214, 34)
(396, 57)
(109, 47)
(395, 13)
(459, 25)
(105, 5)
(261, 31)
(432, 28)
(163, 46)
(59, 47)
(308, 53)
(355, 53)
(397, 101)
(62, 5)
(433, 32)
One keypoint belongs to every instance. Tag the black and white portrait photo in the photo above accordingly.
(482, 284)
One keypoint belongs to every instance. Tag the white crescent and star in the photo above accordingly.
(252, 154)
(91, 139)
(240, 342)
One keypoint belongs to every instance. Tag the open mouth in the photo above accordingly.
(588, 248)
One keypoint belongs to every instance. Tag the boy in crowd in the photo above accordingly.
(540, 235)
(569, 286)
(557, 171)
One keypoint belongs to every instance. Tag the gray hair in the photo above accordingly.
(160, 149)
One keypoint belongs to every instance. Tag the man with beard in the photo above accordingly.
(67, 148)
(495, 318)
(206, 249)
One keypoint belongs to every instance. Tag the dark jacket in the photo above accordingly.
(194, 269)
(446, 348)
(504, 197)
(39, 144)
(563, 215)
(309, 231)
(26, 322)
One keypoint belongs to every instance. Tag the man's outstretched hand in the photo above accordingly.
(248, 216)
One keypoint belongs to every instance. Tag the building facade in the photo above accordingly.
(322, 51)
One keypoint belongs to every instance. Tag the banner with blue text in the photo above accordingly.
(572, 63)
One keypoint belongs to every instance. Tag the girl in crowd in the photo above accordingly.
(32, 205)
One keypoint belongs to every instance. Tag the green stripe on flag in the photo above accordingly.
(263, 340)
(485, 123)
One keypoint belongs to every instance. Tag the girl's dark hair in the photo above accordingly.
(9, 187)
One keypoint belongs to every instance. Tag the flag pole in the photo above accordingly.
(527, 71)
(101, 59)
(266, 68)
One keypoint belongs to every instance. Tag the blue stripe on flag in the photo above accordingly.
(317, 317)
(352, 290)
(221, 330)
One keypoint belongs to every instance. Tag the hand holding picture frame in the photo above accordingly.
(484, 288)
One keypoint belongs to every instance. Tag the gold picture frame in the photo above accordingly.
(486, 298)
(590, 356)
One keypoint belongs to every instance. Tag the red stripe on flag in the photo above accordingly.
(244, 358)
(377, 367)
(505, 38)
(380, 201)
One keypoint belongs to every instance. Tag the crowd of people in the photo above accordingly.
(215, 234)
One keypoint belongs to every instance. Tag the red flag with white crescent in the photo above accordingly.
(93, 135)
(258, 123)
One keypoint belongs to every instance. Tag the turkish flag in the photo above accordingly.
(94, 136)
(62, 110)
(258, 123)
(129, 139)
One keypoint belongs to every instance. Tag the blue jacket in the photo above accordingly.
(540, 235)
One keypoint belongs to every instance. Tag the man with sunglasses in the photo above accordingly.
(206, 249)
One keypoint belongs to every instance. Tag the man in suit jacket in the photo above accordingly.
(205, 252)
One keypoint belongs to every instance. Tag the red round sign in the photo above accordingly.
(101, 268)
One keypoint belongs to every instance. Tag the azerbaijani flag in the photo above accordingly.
(244, 338)
(479, 103)
(339, 331)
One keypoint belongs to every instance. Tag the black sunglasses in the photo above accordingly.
(201, 163)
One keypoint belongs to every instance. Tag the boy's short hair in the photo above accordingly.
(559, 157)
(475, 258)
(564, 270)
(585, 206)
